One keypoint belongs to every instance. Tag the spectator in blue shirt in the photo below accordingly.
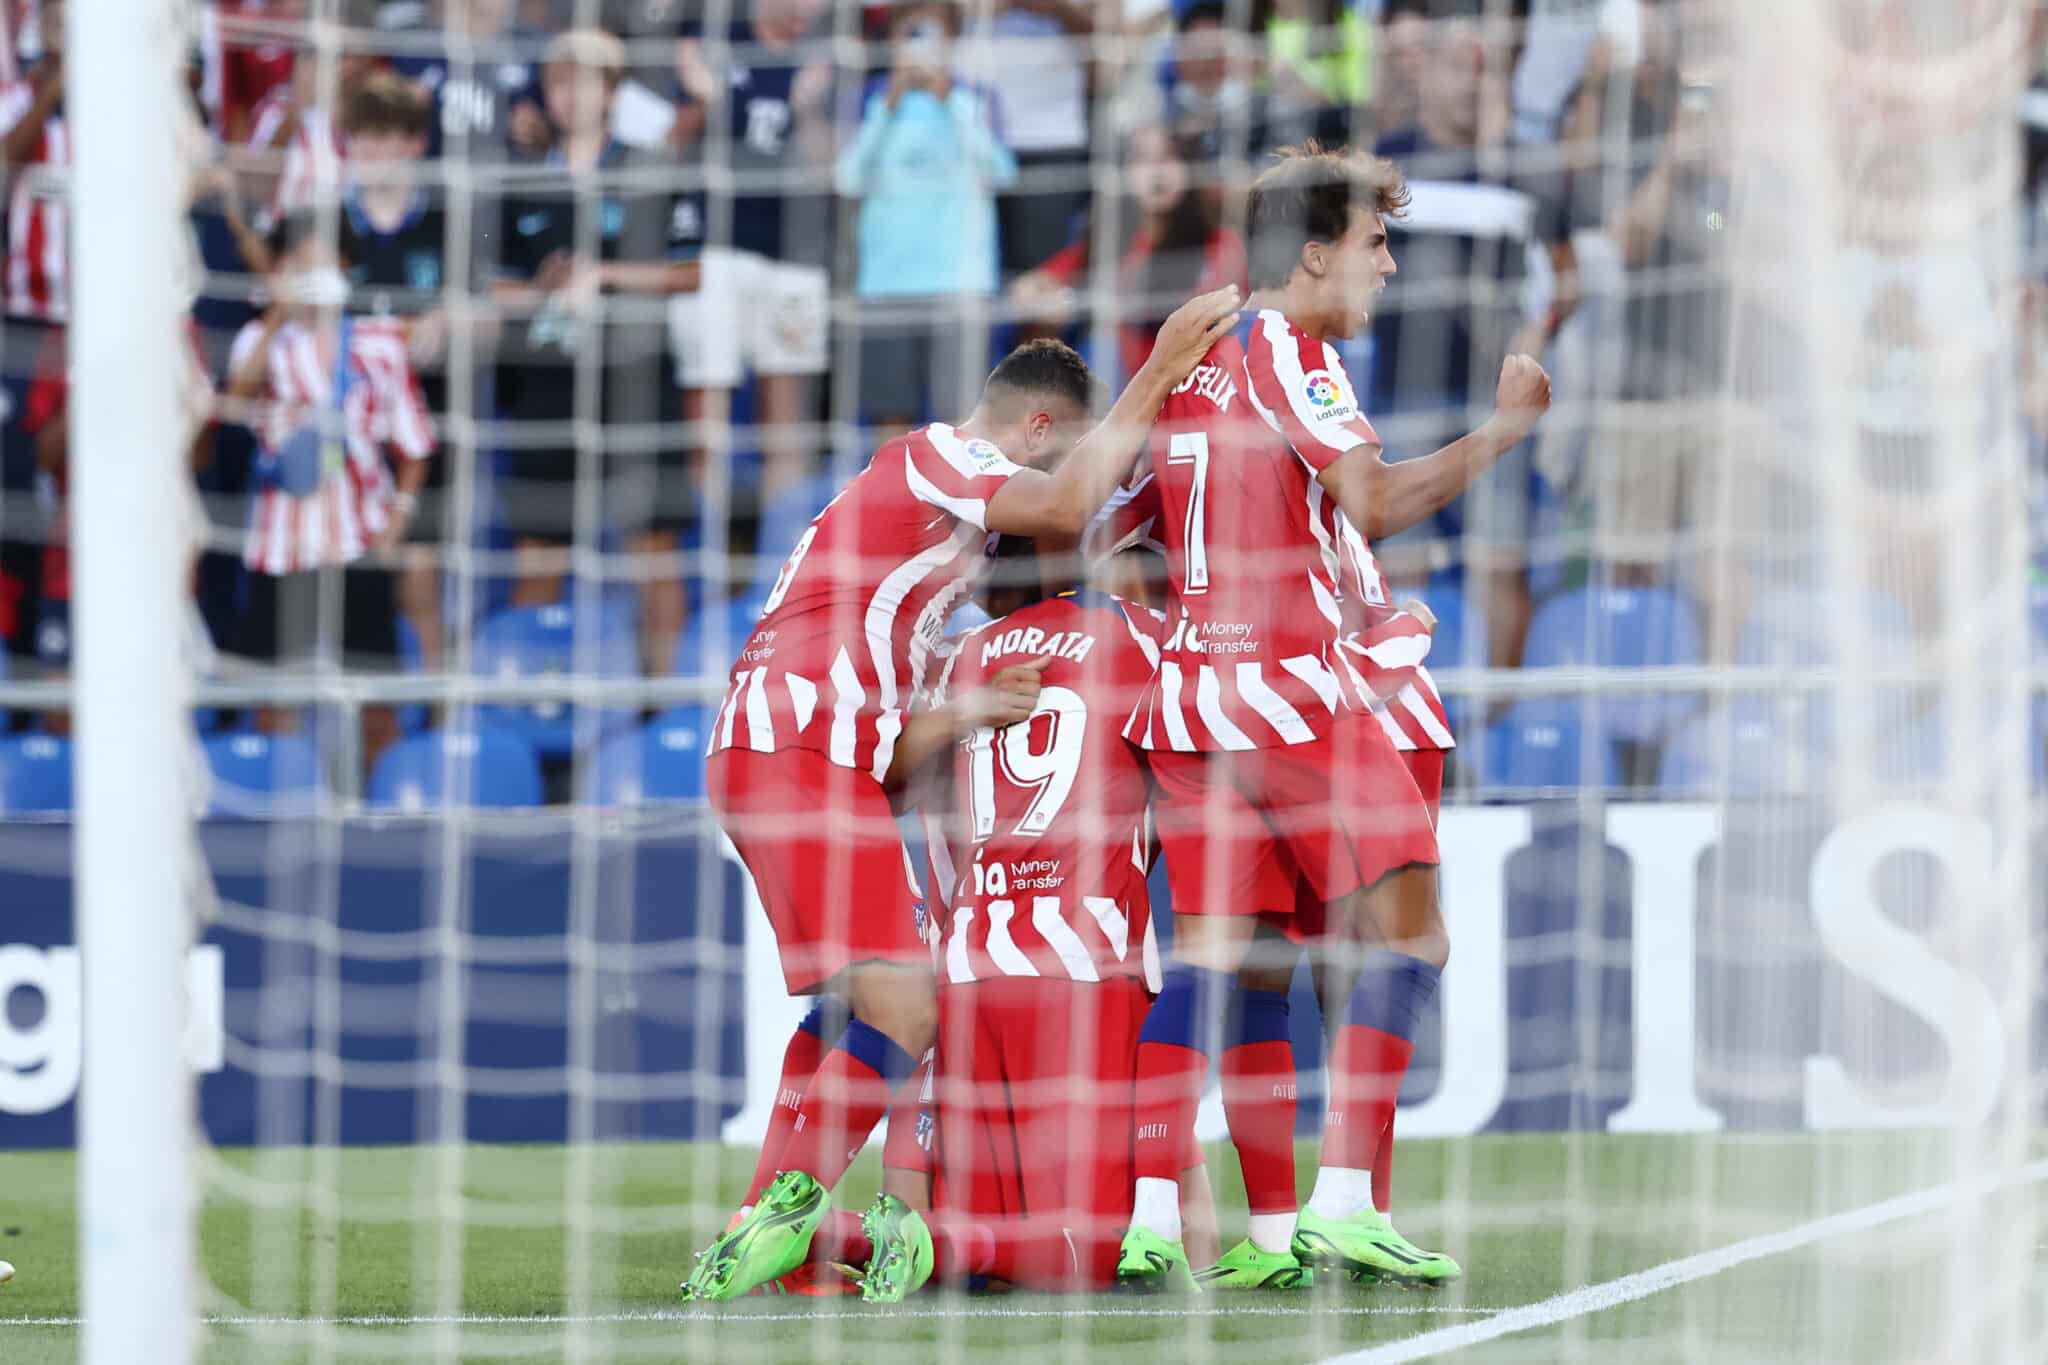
(925, 167)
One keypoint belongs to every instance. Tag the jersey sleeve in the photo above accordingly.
(1303, 393)
(955, 475)
(1130, 517)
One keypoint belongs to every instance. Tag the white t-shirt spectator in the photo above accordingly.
(1039, 74)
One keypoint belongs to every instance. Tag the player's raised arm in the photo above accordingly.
(1060, 502)
(1383, 499)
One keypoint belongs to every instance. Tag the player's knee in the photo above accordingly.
(1433, 947)
(902, 1004)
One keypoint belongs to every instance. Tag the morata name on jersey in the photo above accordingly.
(1061, 644)
(1214, 383)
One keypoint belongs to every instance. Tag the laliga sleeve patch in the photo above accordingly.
(1328, 397)
(985, 457)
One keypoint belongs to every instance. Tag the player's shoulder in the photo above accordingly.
(968, 455)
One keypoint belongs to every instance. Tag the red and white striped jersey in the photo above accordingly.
(1050, 836)
(383, 409)
(38, 218)
(852, 625)
(1386, 648)
(312, 159)
(1250, 545)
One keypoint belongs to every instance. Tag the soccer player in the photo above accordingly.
(1254, 456)
(817, 702)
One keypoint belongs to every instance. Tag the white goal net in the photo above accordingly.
(540, 337)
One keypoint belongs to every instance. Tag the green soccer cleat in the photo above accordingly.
(903, 1251)
(1366, 1247)
(767, 1244)
(1152, 1265)
(1245, 1266)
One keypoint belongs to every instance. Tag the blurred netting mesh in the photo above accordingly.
(539, 332)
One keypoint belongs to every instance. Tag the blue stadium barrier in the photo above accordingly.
(1543, 746)
(35, 775)
(263, 776)
(354, 907)
(712, 640)
(531, 642)
(663, 761)
(492, 768)
(1620, 628)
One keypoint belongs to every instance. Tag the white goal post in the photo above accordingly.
(133, 835)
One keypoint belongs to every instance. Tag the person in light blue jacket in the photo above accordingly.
(925, 167)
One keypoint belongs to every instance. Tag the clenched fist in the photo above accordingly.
(1523, 394)
(1005, 699)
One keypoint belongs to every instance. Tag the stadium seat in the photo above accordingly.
(783, 520)
(1543, 746)
(494, 768)
(1794, 627)
(2037, 608)
(662, 762)
(35, 775)
(1737, 751)
(257, 775)
(1620, 628)
(535, 642)
(712, 639)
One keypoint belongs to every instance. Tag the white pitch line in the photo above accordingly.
(1596, 1298)
(682, 1316)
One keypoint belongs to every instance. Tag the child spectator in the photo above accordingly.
(561, 303)
(394, 237)
(924, 166)
(1176, 249)
(332, 400)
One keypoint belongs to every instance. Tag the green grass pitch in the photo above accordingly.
(353, 1272)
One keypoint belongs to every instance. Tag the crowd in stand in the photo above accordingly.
(534, 277)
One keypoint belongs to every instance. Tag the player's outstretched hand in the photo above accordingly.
(1188, 333)
(1008, 697)
(1523, 394)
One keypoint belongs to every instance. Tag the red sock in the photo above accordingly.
(847, 1097)
(839, 1238)
(909, 1146)
(1366, 1067)
(1259, 1102)
(1383, 1169)
(1169, 1090)
(799, 1061)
